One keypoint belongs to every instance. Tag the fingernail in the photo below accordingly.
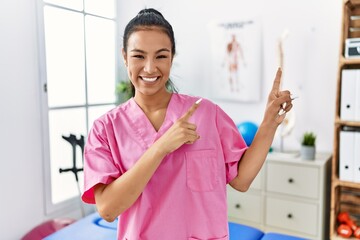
(198, 101)
(281, 112)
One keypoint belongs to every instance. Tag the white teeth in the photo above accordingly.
(149, 79)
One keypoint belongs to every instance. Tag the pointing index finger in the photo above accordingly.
(277, 81)
(191, 110)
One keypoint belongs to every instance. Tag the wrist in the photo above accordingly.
(268, 126)
(159, 150)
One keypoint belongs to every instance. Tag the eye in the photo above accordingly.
(162, 56)
(138, 56)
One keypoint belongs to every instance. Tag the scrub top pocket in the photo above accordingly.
(201, 170)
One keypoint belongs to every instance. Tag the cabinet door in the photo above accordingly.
(357, 158)
(346, 156)
(348, 103)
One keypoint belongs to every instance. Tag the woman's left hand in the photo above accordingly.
(279, 103)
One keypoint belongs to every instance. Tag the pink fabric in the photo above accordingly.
(45, 229)
(186, 197)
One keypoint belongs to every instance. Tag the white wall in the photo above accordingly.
(311, 68)
(21, 198)
(311, 55)
(21, 175)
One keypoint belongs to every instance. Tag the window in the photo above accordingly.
(78, 59)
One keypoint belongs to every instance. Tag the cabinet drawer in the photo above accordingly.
(293, 216)
(295, 180)
(245, 206)
(256, 184)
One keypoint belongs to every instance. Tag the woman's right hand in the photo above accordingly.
(181, 132)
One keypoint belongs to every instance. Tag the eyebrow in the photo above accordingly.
(158, 51)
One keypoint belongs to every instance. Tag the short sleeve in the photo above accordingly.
(99, 165)
(232, 142)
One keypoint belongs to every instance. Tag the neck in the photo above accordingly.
(154, 102)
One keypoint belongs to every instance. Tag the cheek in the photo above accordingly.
(133, 69)
(166, 67)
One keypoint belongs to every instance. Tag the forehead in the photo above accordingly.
(150, 38)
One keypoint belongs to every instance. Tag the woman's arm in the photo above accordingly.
(279, 102)
(114, 198)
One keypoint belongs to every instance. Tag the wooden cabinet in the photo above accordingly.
(290, 196)
(345, 185)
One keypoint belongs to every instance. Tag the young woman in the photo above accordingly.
(160, 162)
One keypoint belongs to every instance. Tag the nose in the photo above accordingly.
(150, 66)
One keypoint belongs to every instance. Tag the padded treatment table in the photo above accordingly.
(243, 232)
(93, 227)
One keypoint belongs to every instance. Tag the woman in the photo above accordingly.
(160, 162)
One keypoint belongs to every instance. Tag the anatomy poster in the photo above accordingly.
(236, 60)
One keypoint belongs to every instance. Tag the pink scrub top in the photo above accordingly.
(186, 196)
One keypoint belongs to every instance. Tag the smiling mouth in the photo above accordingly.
(149, 79)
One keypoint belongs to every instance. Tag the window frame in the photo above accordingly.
(74, 202)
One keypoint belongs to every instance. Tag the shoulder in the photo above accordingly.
(113, 114)
(188, 100)
(207, 109)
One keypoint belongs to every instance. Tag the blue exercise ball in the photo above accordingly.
(247, 131)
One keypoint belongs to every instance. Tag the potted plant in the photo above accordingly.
(308, 148)
(123, 91)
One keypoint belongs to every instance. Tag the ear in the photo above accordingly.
(124, 56)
